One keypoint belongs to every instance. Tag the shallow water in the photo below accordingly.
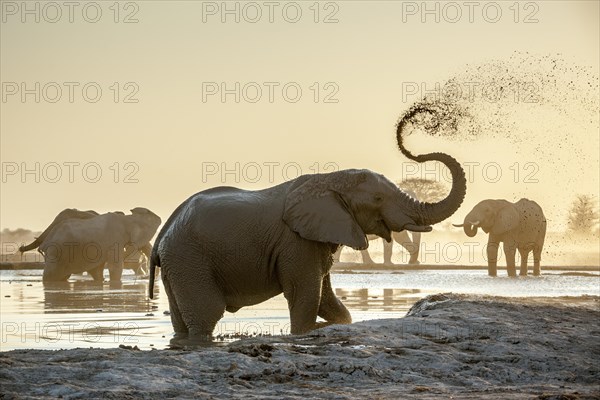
(83, 314)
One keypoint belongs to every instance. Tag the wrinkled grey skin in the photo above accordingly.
(402, 238)
(227, 248)
(519, 226)
(79, 245)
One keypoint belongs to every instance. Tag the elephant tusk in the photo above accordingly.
(458, 225)
(476, 223)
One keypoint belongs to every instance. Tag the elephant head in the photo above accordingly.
(493, 216)
(345, 206)
(142, 225)
(342, 207)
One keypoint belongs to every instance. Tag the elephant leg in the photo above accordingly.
(366, 257)
(97, 273)
(524, 256)
(181, 331)
(115, 271)
(510, 251)
(388, 249)
(412, 246)
(301, 281)
(196, 301)
(304, 299)
(331, 308)
(537, 255)
(492, 256)
(53, 273)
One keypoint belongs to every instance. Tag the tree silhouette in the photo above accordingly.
(425, 189)
(583, 214)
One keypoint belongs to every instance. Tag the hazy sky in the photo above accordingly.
(161, 129)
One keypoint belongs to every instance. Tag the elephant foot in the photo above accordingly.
(388, 263)
(523, 274)
(414, 262)
(181, 340)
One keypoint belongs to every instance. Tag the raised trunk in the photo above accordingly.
(425, 213)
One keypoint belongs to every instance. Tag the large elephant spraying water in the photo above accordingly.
(226, 248)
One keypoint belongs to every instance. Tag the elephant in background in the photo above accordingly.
(133, 259)
(69, 213)
(402, 238)
(519, 226)
(226, 248)
(79, 245)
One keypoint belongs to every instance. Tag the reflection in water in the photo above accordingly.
(379, 299)
(89, 296)
(65, 315)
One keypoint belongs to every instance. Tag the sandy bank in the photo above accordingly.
(448, 345)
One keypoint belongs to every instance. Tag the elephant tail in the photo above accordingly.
(154, 262)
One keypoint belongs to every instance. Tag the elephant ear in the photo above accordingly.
(323, 218)
(506, 219)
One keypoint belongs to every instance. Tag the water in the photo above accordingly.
(83, 314)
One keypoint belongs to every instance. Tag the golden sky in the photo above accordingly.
(161, 129)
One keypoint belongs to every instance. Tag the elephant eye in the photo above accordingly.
(378, 198)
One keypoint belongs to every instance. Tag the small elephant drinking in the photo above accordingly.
(519, 226)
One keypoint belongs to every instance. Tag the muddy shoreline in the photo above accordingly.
(465, 346)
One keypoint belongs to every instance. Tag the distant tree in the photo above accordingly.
(583, 214)
(425, 189)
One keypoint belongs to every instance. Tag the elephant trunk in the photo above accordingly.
(35, 244)
(425, 213)
(470, 230)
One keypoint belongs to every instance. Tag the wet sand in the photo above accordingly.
(461, 346)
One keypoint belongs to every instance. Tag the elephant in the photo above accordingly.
(402, 238)
(225, 248)
(519, 226)
(78, 245)
(132, 256)
(69, 213)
